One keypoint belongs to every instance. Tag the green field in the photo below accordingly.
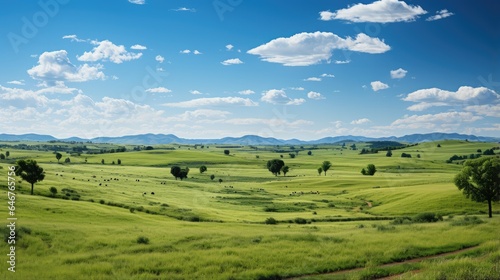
(200, 228)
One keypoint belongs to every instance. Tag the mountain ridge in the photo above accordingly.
(155, 139)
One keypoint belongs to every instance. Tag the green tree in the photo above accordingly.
(203, 168)
(326, 165)
(389, 153)
(320, 170)
(220, 181)
(2, 156)
(275, 165)
(67, 160)
(212, 177)
(479, 180)
(30, 172)
(175, 171)
(119, 161)
(285, 169)
(371, 169)
(7, 154)
(58, 157)
(53, 190)
(309, 153)
(183, 173)
(102, 161)
(226, 152)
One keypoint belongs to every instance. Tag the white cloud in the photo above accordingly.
(313, 79)
(315, 95)
(297, 88)
(106, 50)
(432, 120)
(398, 73)
(328, 75)
(15, 82)
(138, 47)
(232, 61)
(213, 101)
(196, 92)
(440, 15)
(159, 58)
(200, 114)
(306, 49)
(361, 121)
(56, 66)
(184, 9)
(378, 85)
(246, 92)
(196, 52)
(229, 47)
(274, 122)
(74, 38)
(138, 2)
(158, 90)
(342, 61)
(464, 96)
(185, 51)
(489, 110)
(278, 96)
(382, 11)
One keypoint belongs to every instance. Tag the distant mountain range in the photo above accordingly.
(154, 139)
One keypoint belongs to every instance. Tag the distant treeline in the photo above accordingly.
(376, 146)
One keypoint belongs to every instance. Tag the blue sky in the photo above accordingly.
(284, 69)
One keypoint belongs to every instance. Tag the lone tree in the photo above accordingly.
(275, 165)
(203, 168)
(175, 171)
(326, 165)
(30, 171)
(2, 156)
(480, 180)
(7, 154)
(320, 170)
(212, 177)
(226, 152)
(102, 161)
(67, 160)
(370, 170)
(389, 153)
(58, 157)
(53, 190)
(285, 169)
(119, 161)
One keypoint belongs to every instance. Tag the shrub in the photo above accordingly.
(271, 221)
(102, 201)
(300, 221)
(53, 190)
(402, 221)
(427, 218)
(226, 152)
(142, 240)
(132, 210)
(467, 221)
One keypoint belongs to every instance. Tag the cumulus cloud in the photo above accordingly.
(440, 15)
(246, 92)
(138, 2)
(196, 92)
(74, 38)
(232, 61)
(16, 82)
(56, 66)
(328, 75)
(431, 120)
(378, 85)
(158, 90)
(315, 95)
(465, 95)
(185, 51)
(159, 58)
(342, 61)
(107, 51)
(489, 110)
(297, 88)
(398, 73)
(138, 47)
(278, 96)
(382, 11)
(361, 121)
(213, 101)
(196, 52)
(229, 47)
(304, 49)
(313, 79)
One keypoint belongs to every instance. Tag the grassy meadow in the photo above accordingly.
(104, 222)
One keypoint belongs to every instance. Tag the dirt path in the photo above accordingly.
(416, 260)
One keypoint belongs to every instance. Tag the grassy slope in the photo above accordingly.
(94, 240)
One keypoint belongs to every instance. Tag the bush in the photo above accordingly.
(427, 218)
(132, 210)
(271, 221)
(53, 190)
(300, 221)
(402, 221)
(102, 201)
(142, 240)
(467, 221)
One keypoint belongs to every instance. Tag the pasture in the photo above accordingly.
(134, 220)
